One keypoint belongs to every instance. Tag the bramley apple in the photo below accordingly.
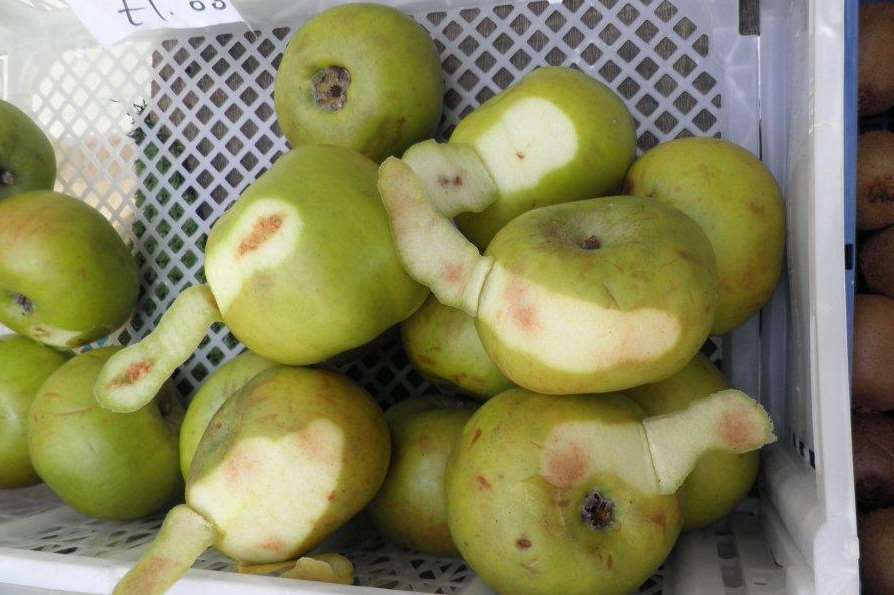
(736, 200)
(284, 462)
(443, 344)
(27, 159)
(575, 494)
(106, 465)
(24, 366)
(558, 135)
(720, 479)
(66, 277)
(411, 507)
(590, 296)
(220, 386)
(361, 76)
(300, 269)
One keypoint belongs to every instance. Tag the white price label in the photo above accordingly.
(112, 20)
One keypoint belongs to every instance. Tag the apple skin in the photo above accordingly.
(286, 461)
(223, 383)
(559, 316)
(24, 366)
(27, 159)
(116, 466)
(720, 479)
(411, 507)
(443, 344)
(78, 277)
(736, 200)
(604, 149)
(395, 91)
(518, 481)
(326, 278)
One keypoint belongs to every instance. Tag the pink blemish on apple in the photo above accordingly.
(738, 430)
(273, 544)
(523, 315)
(264, 228)
(239, 467)
(134, 373)
(454, 272)
(566, 464)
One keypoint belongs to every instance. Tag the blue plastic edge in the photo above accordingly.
(851, 127)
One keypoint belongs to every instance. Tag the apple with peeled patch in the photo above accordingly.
(443, 344)
(223, 383)
(106, 465)
(557, 135)
(362, 76)
(575, 494)
(736, 200)
(27, 159)
(411, 507)
(283, 463)
(301, 268)
(66, 277)
(24, 366)
(720, 480)
(588, 296)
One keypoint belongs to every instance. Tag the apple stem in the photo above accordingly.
(331, 88)
(7, 177)
(134, 375)
(184, 535)
(728, 420)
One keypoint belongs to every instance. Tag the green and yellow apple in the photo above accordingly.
(361, 76)
(106, 465)
(589, 296)
(443, 344)
(284, 462)
(736, 200)
(301, 268)
(558, 135)
(24, 366)
(411, 507)
(220, 386)
(66, 277)
(720, 479)
(575, 494)
(27, 159)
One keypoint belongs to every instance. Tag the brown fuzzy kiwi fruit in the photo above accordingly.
(877, 262)
(873, 459)
(873, 386)
(875, 180)
(876, 86)
(876, 544)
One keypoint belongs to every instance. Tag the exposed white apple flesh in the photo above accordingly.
(135, 374)
(728, 420)
(433, 251)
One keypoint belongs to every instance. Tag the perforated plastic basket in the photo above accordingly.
(164, 131)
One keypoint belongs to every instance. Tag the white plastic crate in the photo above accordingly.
(163, 132)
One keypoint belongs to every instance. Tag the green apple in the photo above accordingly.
(300, 269)
(411, 507)
(575, 494)
(362, 76)
(443, 344)
(590, 296)
(24, 365)
(720, 479)
(557, 135)
(106, 465)
(27, 159)
(220, 386)
(66, 277)
(736, 200)
(284, 462)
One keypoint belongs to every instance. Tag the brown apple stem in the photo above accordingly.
(7, 177)
(134, 375)
(184, 535)
(728, 420)
(331, 88)
(432, 250)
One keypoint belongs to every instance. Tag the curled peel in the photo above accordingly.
(728, 420)
(184, 535)
(432, 250)
(326, 568)
(133, 376)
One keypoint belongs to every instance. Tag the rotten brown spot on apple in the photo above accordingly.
(566, 464)
(737, 428)
(482, 482)
(475, 436)
(133, 374)
(263, 229)
(523, 543)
